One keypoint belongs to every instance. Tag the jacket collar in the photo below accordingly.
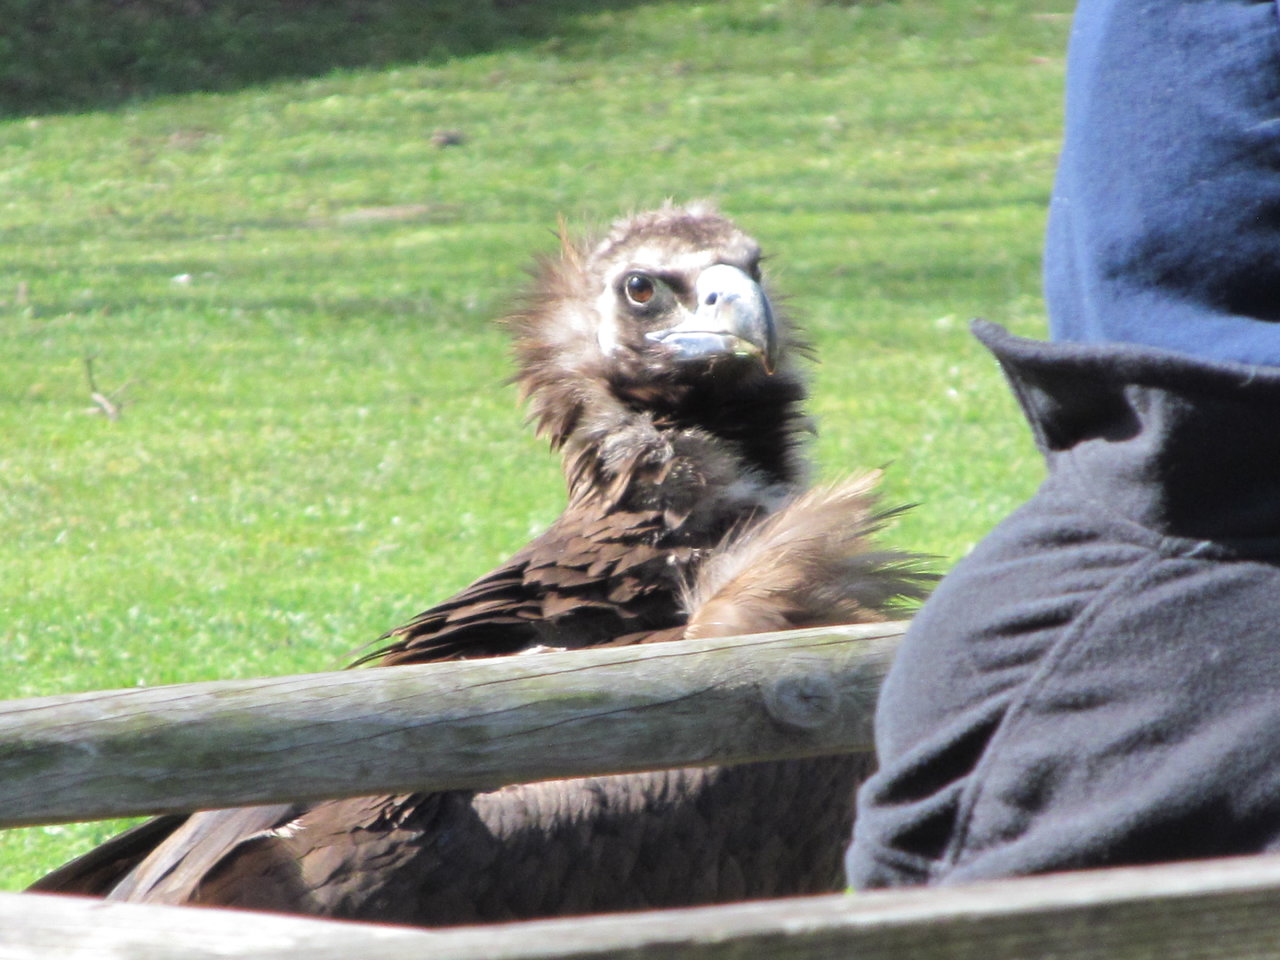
(1182, 446)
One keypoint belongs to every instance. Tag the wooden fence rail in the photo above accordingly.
(458, 725)
(1212, 910)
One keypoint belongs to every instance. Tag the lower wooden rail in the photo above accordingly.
(1209, 910)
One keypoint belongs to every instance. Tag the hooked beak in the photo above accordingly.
(733, 318)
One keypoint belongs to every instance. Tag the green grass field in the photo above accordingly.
(292, 285)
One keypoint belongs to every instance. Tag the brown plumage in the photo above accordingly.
(667, 444)
(656, 365)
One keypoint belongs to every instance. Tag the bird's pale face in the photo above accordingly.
(688, 308)
(666, 314)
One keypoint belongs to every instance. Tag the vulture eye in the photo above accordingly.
(640, 289)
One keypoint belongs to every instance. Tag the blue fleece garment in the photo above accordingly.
(1164, 228)
(1098, 682)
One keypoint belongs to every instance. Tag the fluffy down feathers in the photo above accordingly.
(811, 564)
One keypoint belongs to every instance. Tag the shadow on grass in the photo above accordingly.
(78, 55)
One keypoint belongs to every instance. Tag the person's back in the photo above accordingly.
(1098, 683)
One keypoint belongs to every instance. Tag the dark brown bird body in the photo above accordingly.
(656, 365)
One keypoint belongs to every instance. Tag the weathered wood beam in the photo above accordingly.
(1211, 910)
(471, 724)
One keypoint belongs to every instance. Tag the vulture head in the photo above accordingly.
(663, 326)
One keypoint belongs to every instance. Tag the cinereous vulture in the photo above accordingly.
(659, 367)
